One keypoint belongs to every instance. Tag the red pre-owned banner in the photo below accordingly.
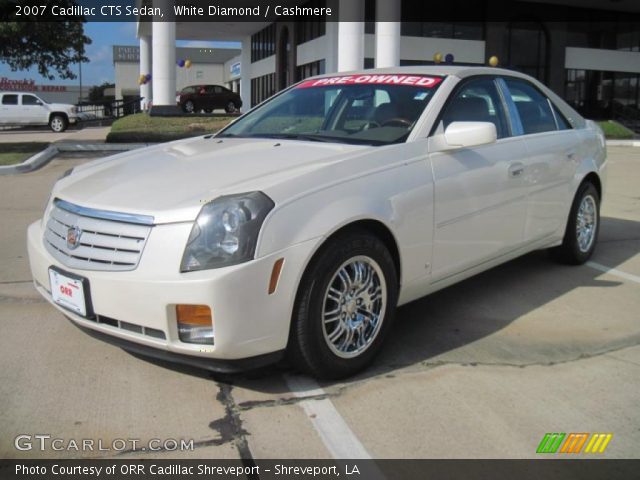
(407, 80)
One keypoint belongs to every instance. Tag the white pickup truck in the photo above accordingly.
(19, 108)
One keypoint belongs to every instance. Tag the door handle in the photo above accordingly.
(516, 169)
(571, 154)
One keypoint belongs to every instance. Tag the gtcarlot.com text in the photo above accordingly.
(47, 442)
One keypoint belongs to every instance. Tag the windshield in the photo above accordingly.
(359, 109)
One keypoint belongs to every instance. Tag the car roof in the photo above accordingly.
(459, 71)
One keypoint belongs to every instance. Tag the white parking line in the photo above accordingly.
(613, 271)
(336, 435)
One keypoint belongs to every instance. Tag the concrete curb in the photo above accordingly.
(623, 143)
(41, 159)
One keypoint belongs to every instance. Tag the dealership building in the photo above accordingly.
(214, 66)
(593, 62)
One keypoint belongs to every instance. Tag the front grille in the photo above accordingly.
(105, 244)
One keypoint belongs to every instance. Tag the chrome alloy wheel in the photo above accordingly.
(57, 124)
(586, 223)
(354, 307)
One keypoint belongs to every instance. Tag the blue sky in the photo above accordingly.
(100, 53)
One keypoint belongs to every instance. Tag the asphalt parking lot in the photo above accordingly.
(482, 369)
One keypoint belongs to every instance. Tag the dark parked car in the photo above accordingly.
(208, 98)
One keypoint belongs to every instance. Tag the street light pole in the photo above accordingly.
(80, 68)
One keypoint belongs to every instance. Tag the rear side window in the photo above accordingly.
(563, 123)
(30, 100)
(477, 101)
(10, 99)
(533, 107)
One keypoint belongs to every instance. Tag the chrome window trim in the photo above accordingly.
(105, 214)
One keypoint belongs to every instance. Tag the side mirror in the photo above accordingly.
(469, 134)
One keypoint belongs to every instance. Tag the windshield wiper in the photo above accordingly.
(307, 137)
(292, 136)
(230, 135)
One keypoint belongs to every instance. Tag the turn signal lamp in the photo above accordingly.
(195, 324)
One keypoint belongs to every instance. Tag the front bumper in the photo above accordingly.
(248, 322)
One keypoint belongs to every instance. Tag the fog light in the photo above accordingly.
(195, 324)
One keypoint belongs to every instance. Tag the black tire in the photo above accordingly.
(571, 251)
(58, 123)
(230, 108)
(309, 346)
(189, 107)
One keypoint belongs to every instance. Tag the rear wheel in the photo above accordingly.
(581, 234)
(58, 123)
(345, 307)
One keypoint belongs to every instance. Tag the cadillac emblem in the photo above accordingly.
(73, 237)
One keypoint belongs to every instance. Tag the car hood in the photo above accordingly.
(172, 181)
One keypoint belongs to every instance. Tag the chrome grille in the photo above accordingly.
(105, 244)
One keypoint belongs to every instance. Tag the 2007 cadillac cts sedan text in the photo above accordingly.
(302, 225)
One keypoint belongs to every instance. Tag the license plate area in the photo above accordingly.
(71, 292)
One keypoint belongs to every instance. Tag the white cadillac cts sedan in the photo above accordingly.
(301, 226)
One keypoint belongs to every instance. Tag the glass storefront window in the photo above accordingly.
(527, 49)
(603, 95)
(606, 30)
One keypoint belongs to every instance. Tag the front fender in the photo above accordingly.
(401, 198)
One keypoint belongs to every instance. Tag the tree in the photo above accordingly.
(51, 46)
(96, 94)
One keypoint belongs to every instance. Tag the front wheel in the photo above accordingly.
(58, 123)
(345, 306)
(230, 108)
(189, 107)
(582, 229)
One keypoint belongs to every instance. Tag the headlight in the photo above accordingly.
(226, 231)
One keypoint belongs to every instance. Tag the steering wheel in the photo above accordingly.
(369, 125)
(402, 122)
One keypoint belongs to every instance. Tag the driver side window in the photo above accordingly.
(30, 100)
(477, 100)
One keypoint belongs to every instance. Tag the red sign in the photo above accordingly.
(20, 85)
(28, 86)
(374, 79)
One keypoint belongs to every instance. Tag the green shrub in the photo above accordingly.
(142, 128)
(615, 130)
